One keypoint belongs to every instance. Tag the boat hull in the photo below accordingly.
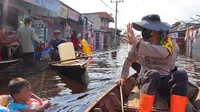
(110, 101)
(5, 64)
(70, 71)
(73, 71)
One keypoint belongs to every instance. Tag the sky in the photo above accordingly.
(170, 11)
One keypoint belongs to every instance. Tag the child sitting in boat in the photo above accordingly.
(20, 90)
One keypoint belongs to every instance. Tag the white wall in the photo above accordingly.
(196, 48)
(95, 19)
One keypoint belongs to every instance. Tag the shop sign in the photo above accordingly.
(52, 5)
(63, 11)
(73, 15)
(173, 35)
(84, 20)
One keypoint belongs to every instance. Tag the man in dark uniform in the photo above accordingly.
(157, 55)
(55, 43)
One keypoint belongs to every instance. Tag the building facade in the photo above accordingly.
(101, 28)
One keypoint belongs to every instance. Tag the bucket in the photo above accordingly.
(45, 51)
(66, 51)
(91, 47)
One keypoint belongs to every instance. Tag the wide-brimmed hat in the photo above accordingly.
(151, 22)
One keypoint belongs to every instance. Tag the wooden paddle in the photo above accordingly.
(69, 59)
(82, 57)
(121, 95)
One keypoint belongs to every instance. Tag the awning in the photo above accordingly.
(73, 15)
(52, 5)
(63, 11)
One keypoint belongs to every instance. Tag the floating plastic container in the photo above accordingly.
(91, 47)
(66, 51)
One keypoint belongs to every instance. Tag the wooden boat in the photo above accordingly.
(4, 64)
(110, 100)
(76, 68)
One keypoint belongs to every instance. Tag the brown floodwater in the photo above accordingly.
(69, 95)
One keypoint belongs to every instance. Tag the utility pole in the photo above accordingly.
(116, 11)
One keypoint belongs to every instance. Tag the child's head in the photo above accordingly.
(20, 89)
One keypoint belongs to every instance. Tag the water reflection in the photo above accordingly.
(102, 72)
(52, 84)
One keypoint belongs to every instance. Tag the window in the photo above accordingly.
(101, 21)
(105, 22)
(97, 41)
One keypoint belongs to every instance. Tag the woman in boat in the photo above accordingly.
(157, 55)
(55, 43)
(4, 41)
(83, 45)
(74, 40)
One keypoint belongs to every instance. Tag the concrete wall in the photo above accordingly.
(51, 28)
(35, 10)
(196, 48)
(98, 45)
(95, 19)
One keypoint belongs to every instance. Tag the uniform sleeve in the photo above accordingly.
(132, 57)
(33, 35)
(174, 56)
(146, 49)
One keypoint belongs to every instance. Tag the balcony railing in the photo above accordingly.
(104, 28)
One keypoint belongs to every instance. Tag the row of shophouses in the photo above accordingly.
(51, 15)
(188, 39)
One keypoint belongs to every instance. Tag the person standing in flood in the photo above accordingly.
(27, 36)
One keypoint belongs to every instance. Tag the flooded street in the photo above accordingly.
(69, 95)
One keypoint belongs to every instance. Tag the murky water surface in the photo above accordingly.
(69, 95)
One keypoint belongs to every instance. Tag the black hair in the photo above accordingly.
(74, 35)
(17, 84)
(28, 20)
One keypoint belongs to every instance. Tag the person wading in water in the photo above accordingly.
(27, 36)
(157, 55)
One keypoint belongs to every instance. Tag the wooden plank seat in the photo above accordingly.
(160, 103)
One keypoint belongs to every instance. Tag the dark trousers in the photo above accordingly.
(28, 59)
(175, 83)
